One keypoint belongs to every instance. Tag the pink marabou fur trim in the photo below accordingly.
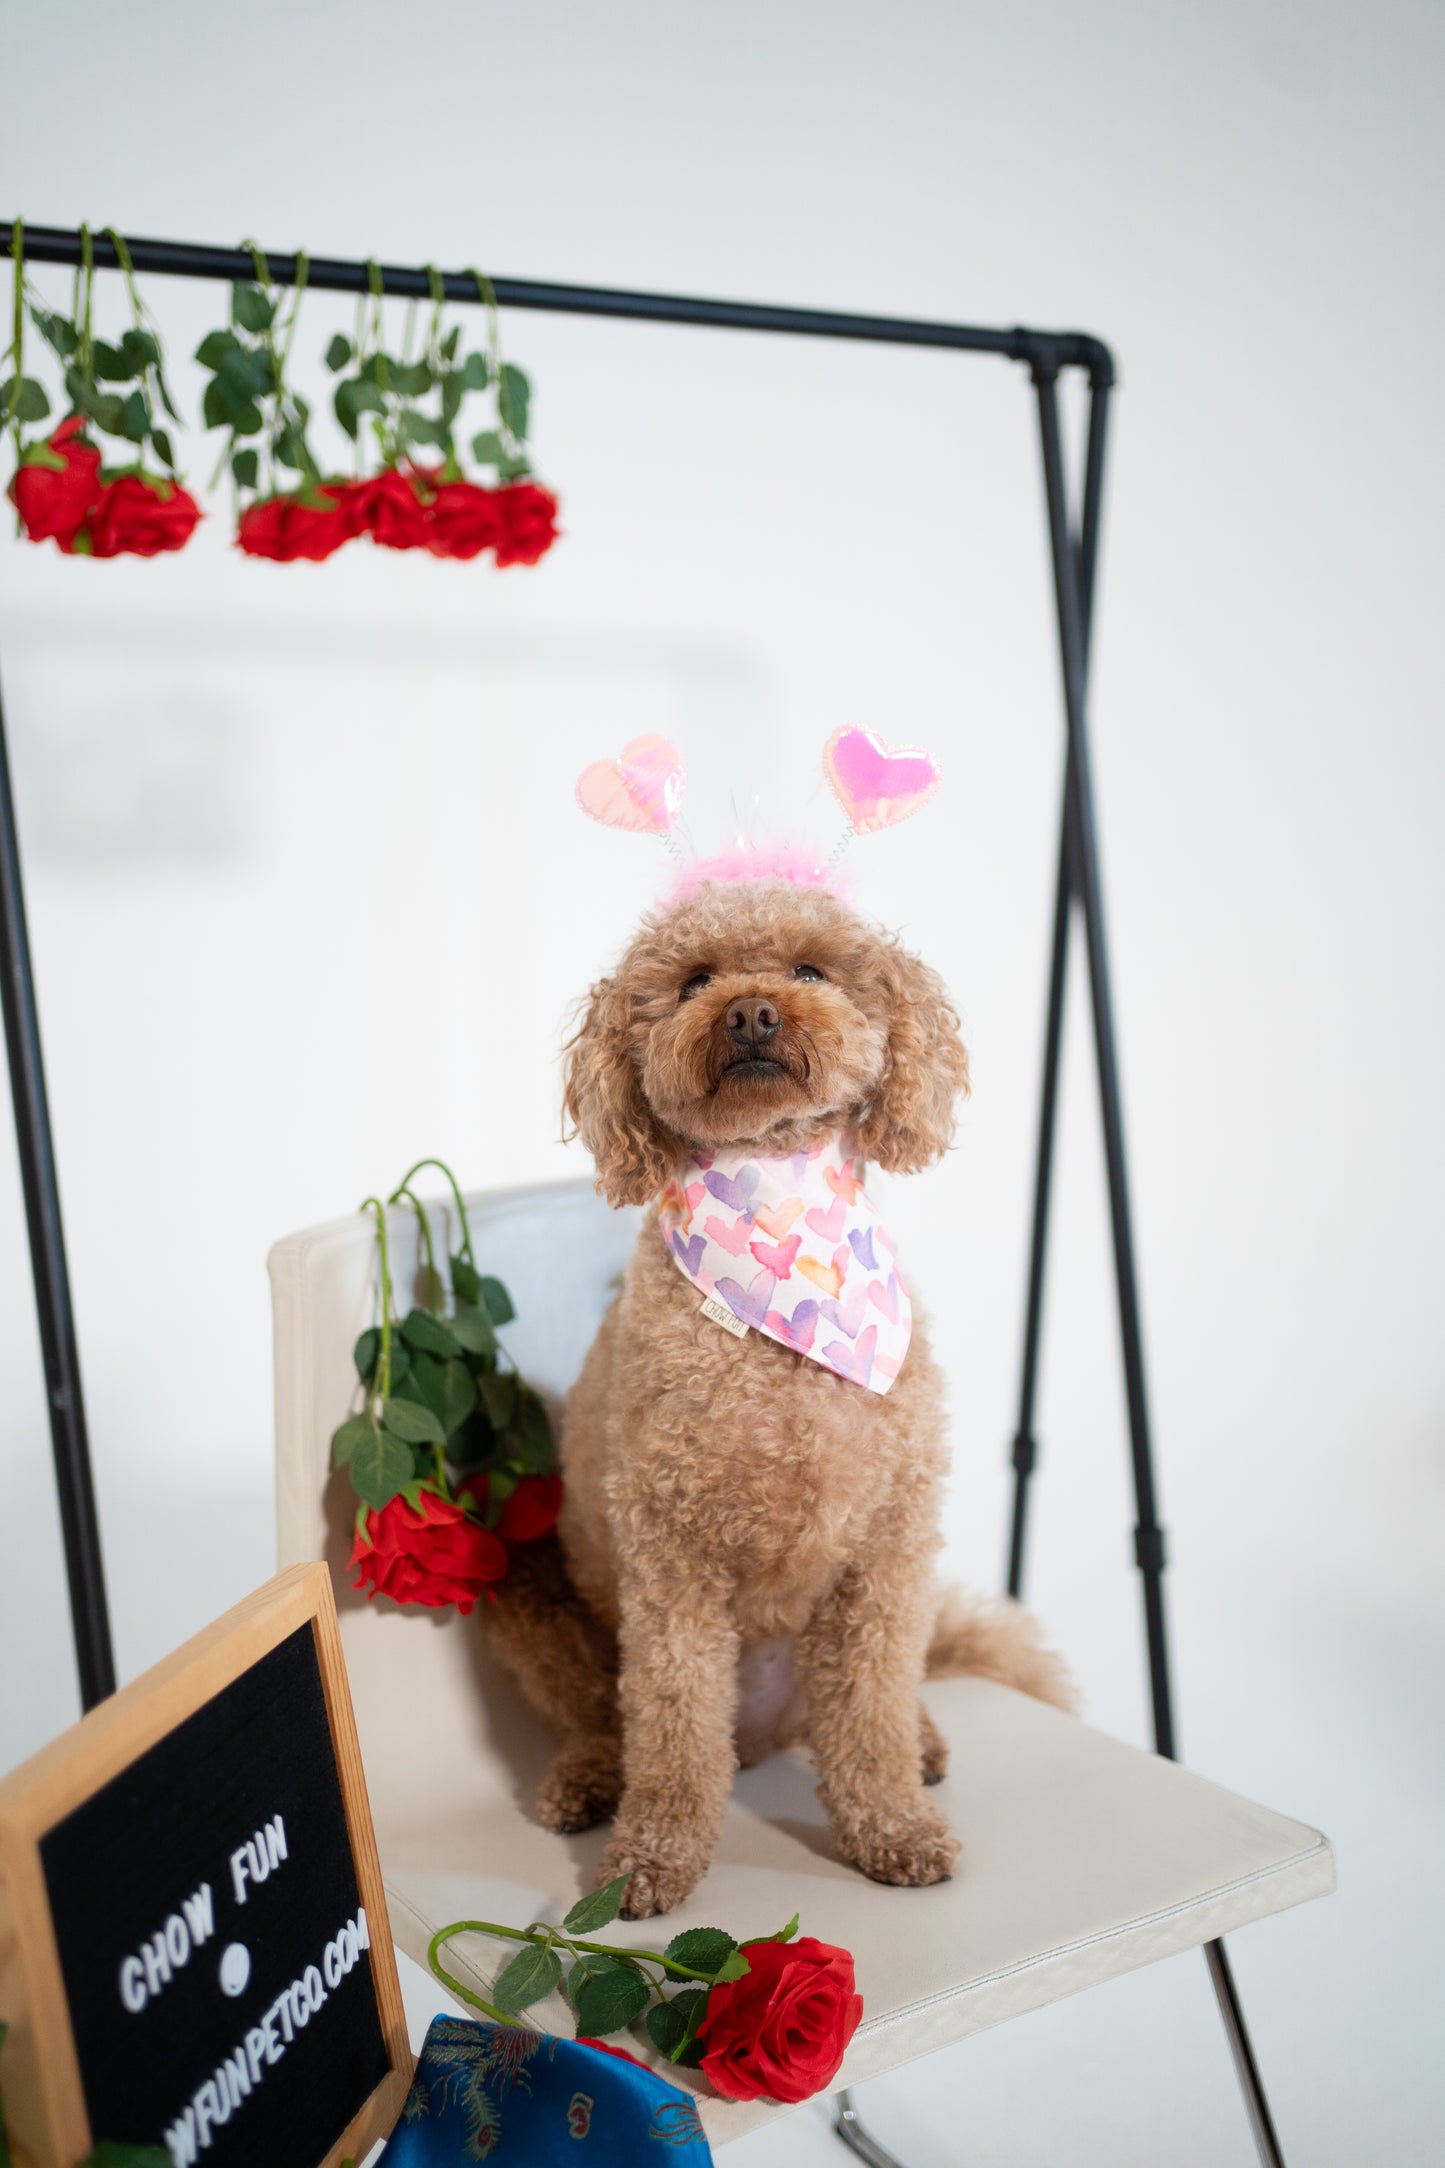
(756, 862)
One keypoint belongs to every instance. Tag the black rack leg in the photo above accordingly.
(1073, 570)
(79, 1525)
(1025, 1445)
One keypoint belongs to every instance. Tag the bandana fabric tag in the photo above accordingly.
(715, 1308)
(793, 1248)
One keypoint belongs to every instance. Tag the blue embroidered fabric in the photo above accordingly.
(496, 2093)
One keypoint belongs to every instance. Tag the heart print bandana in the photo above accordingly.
(795, 1249)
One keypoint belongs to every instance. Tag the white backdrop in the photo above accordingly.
(309, 897)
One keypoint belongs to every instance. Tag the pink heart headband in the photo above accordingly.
(876, 784)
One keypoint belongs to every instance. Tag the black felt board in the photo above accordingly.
(121, 1866)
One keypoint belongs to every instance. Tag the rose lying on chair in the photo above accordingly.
(754, 1451)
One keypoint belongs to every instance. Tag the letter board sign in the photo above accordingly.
(194, 1951)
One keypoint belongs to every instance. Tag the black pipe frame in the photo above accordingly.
(1074, 559)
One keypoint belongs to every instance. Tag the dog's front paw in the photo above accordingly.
(659, 1876)
(908, 1850)
(583, 1784)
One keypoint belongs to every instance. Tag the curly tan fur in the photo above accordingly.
(733, 1510)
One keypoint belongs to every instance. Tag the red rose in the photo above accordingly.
(530, 1512)
(137, 517)
(432, 1555)
(528, 517)
(284, 529)
(57, 501)
(463, 520)
(779, 2033)
(386, 507)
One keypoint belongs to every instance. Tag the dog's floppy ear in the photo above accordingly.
(909, 1123)
(603, 1101)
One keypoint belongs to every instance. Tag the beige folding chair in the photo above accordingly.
(1084, 1858)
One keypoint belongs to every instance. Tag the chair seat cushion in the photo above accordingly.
(1083, 1857)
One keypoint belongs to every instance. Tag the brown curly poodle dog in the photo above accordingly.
(745, 1552)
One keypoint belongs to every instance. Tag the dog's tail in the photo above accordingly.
(995, 1638)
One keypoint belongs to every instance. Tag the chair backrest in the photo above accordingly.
(557, 1247)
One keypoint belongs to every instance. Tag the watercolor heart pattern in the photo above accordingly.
(640, 791)
(733, 1239)
(775, 1220)
(877, 784)
(826, 1237)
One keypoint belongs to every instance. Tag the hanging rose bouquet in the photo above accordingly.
(63, 489)
(451, 1453)
(410, 406)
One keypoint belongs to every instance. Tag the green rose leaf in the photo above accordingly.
(587, 1962)
(111, 363)
(786, 1934)
(459, 1396)
(410, 1421)
(411, 378)
(108, 410)
(608, 2001)
(140, 350)
(531, 1974)
(671, 2024)
(30, 403)
(529, 1434)
(499, 1397)
(473, 1328)
(430, 1288)
(598, 1909)
(58, 332)
(736, 1968)
(214, 348)
(451, 396)
(380, 1466)
(466, 1282)
(488, 449)
(246, 467)
(514, 396)
(512, 470)
(450, 343)
(338, 353)
(135, 419)
(160, 438)
(473, 1442)
(367, 1351)
(496, 1300)
(352, 1433)
(474, 373)
(702, 1949)
(248, 371)
(426, 1382)
(251, 309)
(353, 399)
(420, 1329)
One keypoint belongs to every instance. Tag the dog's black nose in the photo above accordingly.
(752, 1023)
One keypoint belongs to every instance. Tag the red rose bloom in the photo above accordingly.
(55, 502)
(386, 507)
(463, 520)
(137, 517)
(284, 529)
(433, 1555)
(530, 1512)
(779, 2033)
(529, 523)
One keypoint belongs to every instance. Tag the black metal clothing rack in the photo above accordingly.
(1074, 548)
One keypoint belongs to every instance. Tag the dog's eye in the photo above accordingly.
(695, 985)
(807, 971)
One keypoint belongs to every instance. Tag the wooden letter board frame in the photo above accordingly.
(39, 2069)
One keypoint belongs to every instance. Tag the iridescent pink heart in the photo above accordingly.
(641, 790)
(877, 784)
